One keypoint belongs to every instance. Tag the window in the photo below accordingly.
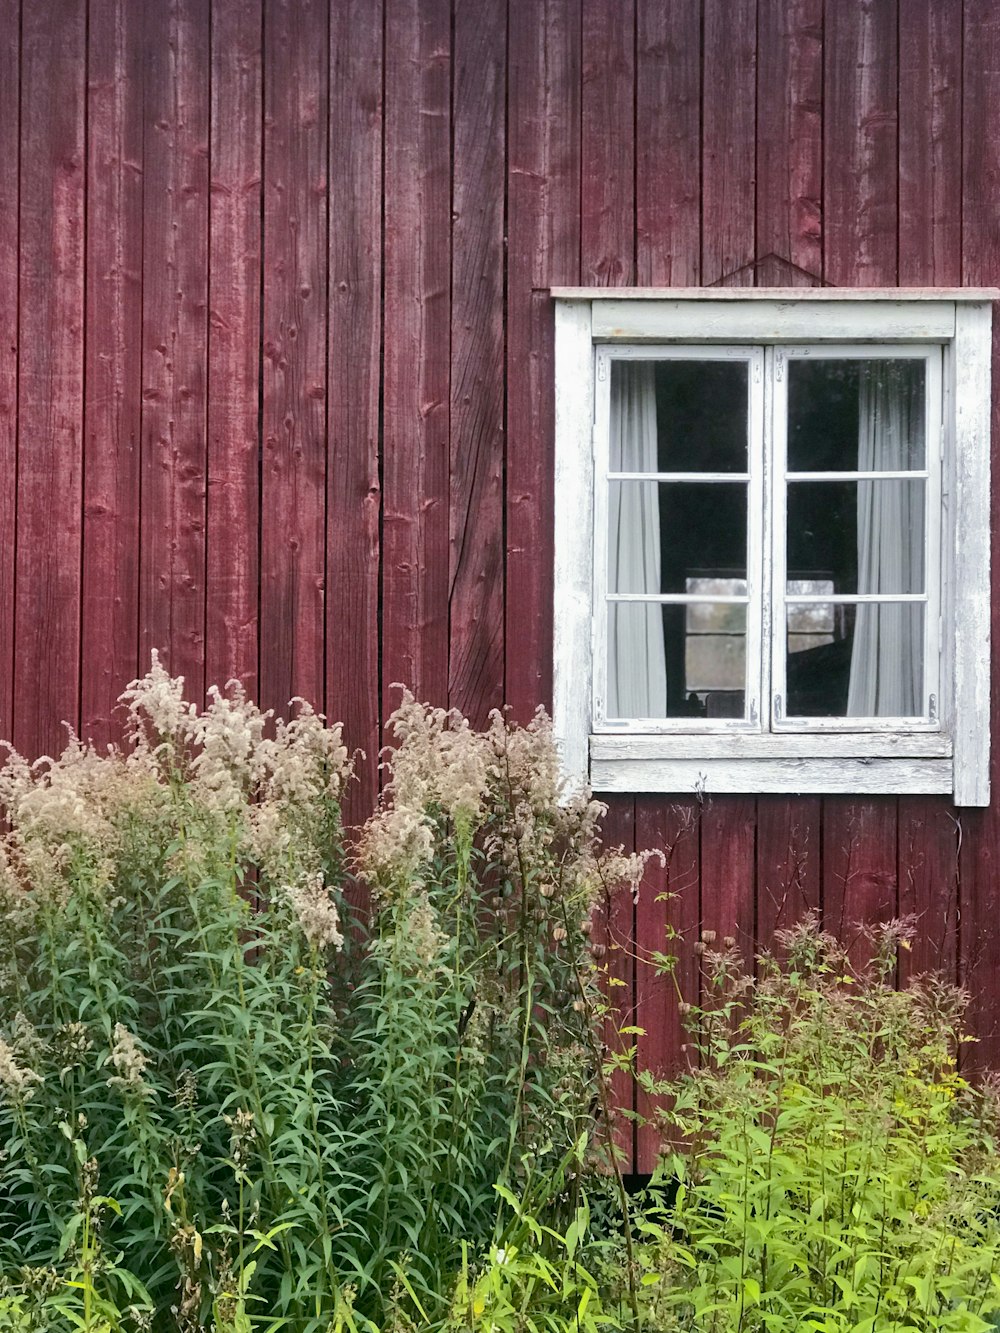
(772, 552)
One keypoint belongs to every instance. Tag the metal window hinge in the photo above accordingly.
(602, 368)
(777, 708)
(932, 707)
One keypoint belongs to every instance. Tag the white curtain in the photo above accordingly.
(637, 672)
(887, 657)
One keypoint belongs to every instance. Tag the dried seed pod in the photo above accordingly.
(558, 933)
(708, 936)
(586, 926)
(730, 942)
(598, 950)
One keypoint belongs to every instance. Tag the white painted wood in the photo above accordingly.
(793, 294)
(774, 321)
(857, 777)
(574, 532)
(859, 745)
(971, 555)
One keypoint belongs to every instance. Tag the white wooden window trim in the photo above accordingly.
(950, 754)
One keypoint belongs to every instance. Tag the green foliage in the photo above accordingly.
(229, 1102)
(836, 1173)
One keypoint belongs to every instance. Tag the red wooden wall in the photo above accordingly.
(276, 358)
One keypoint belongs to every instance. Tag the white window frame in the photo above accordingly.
(946, 751)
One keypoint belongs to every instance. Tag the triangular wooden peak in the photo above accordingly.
(769, 271)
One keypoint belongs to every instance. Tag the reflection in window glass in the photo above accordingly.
(660, 532)
(869, 535)
(871, 664)
(856, 415)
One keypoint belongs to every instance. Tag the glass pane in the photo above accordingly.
(860, 536)
(869, 663)
(856, 415)
(676, 661)
(661, 534)
(701, 412)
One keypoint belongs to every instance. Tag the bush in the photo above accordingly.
(224, 1096)
(835, 1172)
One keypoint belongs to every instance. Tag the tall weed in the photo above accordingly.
(227, 1101)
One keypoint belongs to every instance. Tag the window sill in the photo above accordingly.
(856, 765)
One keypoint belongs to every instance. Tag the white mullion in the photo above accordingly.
(681, 598)
(757, 538)
(601, 451)
(777, 510)
(712, 478)
(851, 598)
(914, 474)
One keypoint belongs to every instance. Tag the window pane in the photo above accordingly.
(869, 664)
(856, 415)
(700, 415)
(676, 661)
(860, 536)
(662, 534)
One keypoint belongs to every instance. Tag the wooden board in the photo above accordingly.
(607, 188)
(475, 538)
(293, 464)
(930, 127)
(930, 842)
(113, 369)
(728, 141)
(416, 389)
(176, 55)
(10, 159)
(859, 144)
(50, 375)
(667, 919)
(728, 856)
(232, 577)
(543, 228)
(790, 140)
(789, 833)
(859, 869)
(668, 142)
(614, 930)
(354, 493)
(979, 962)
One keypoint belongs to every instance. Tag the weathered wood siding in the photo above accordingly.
(276, 360)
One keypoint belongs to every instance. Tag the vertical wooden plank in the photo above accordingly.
(293, 466)
(614, 933)
(860, 249)
(790, 135)
(859, 868)
(416, 390)
(10, 133)
(354, 497)
(113, 383)
(668, 143)
(234, 345)
(930, 127)
(607, 196)
(930, 254)
(50, 459)
(666, 921)
(728, 138)
(175, 299)
(980, 849)
(475, 577)
(788, 862)
(859, 143)
(113, 371)
(543, 250)
(930, 839)
(728, 854)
